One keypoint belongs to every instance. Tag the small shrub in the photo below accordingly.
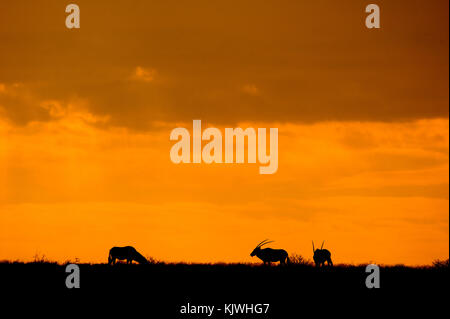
(441, 263)
(297, 259)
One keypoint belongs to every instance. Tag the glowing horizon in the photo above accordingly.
(362, 119)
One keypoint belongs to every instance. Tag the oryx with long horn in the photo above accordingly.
(268, 255)
(321, 256)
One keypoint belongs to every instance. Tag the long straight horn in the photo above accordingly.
(262, 243)
(322, 244)
(313, 247)
(267, 242)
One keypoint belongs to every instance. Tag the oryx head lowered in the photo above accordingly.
(269, 255)
(258, 248)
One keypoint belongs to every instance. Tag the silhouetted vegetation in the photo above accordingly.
(441, 263)
(166, 286)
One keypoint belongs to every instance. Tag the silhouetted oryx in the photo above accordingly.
(321, 256)
(268, 255)
(128, 253)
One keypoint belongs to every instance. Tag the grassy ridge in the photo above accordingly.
(161, 287)
(52, 275)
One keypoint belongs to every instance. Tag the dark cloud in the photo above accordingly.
(307, 62)
(19, 105)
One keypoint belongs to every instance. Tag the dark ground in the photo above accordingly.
(292, 291)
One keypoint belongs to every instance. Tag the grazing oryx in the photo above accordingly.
(268, 255)
(128, 253)
(321, 256)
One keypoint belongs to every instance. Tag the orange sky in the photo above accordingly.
(86, 115)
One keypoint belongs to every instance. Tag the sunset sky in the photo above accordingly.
(362, 116)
